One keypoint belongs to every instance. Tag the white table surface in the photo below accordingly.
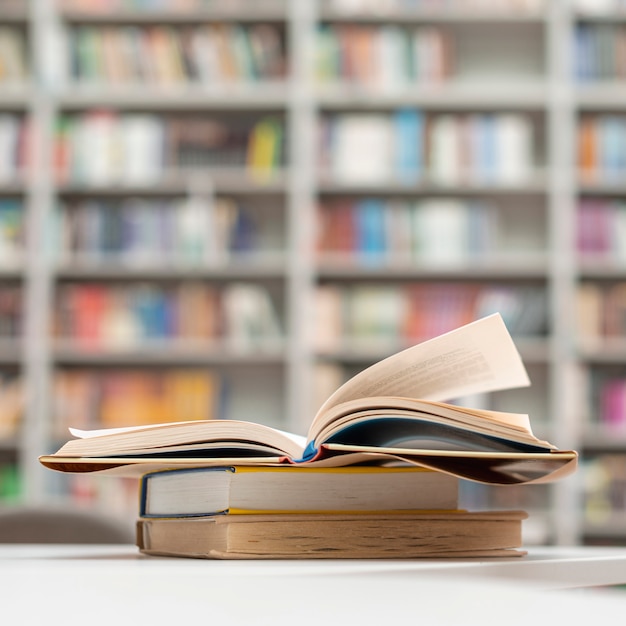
(117, 585)
(60, 584)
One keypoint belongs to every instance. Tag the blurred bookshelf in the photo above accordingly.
(247, 202)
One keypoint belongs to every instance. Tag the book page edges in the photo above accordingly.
(479, 357)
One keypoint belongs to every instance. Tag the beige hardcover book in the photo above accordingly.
(381, 536)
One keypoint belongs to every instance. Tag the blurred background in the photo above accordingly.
(225, 209)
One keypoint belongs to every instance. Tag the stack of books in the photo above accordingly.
(293, 512)
(377, 476)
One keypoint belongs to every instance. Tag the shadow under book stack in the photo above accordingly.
(243, 204)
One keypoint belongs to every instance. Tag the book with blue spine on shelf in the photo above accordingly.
(409, 144)
(370, 230)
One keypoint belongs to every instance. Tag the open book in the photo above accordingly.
(392, 411)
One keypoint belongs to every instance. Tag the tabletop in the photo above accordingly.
(107, 584)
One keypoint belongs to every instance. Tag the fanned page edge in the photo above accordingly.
(484, 344)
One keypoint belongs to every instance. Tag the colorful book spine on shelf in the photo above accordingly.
(612, 404)
(88, 146)
(355, 7)
(602, 148)
(15, 153)
(601, 309)
(211, 54)
(409, 158)
(132, 397)
(601, 229)
(11, 230)
(447, 149)
(374, 312)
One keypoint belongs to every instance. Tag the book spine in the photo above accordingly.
(218, 54)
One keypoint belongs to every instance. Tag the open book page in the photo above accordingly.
(224, 434)
(299, 440)
(476, 358)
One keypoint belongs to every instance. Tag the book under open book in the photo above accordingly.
(397, 410)
(203, 491)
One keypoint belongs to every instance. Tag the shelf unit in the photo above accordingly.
(601, 443)
(508, 62)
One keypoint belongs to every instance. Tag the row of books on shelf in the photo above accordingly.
(243, 316)
(163, 55)
(601, 310)
(409, 145)
(101, 147)
(14, 146)
(430, 231)
(377, 7)
(392, 314)
(383, 56)
(93, 399)
(598, 7)
(13, 65)
(602, 147)
(191, 231)
(183, 6)
(599, 52)
(601, 229)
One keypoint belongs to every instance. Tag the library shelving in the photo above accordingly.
(329, 181)
(600, 271)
